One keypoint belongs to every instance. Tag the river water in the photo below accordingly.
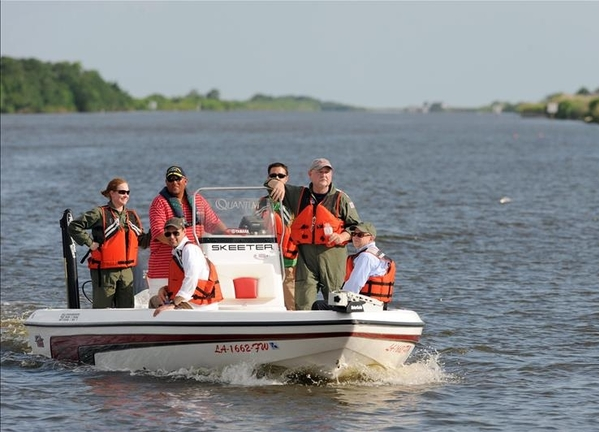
(492, 220)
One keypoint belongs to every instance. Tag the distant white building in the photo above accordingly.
(552, 108)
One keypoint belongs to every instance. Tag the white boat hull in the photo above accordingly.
(250, 326)
(132, 339)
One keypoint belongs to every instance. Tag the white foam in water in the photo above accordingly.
(426, 370)
(242, 374)
(245, 374)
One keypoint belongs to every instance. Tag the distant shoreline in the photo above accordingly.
(32, 86)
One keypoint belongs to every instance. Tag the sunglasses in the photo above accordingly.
(172, 179)
(281, 176)
(123, 192)
(168, 234)
(359, 234)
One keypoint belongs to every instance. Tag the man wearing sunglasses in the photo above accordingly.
(369, 271)
(278, 170)
(324, 216)
(192, 281)
(174, 201)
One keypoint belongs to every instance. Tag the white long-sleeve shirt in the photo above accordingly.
(194, 265)
(365, 265)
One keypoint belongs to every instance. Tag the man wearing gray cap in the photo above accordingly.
(324, 218)
(192, 278)
(369, 271)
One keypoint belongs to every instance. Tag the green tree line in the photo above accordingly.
(33, 86)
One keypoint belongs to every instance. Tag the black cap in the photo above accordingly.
(176, 171)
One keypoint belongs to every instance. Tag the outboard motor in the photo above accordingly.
(69, 253)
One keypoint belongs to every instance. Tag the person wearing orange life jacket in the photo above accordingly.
(324, 216)
(369, 271)
(193, 281)
(115, 236)
(280, 171)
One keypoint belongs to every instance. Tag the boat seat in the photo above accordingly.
(246, 287)
(250, 286)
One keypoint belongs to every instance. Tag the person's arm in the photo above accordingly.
(288, 194)
(363, 265)
(77, 229)
(349, 214)
(195, 267)
(276, 188)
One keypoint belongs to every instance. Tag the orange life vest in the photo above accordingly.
(118, 248)
(206, 292)
(289, 247)
(308, 227)
(378, 287)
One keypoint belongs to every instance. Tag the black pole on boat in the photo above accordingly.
(69, 253)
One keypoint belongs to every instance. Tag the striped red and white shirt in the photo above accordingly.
(160, 212)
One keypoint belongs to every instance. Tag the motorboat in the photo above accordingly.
(251, 324)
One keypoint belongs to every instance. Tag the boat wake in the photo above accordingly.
(425, 371)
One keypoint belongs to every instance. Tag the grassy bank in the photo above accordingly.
(583, 106)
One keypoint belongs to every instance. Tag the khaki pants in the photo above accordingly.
(319, 268)
(289, 288)
(112, 288)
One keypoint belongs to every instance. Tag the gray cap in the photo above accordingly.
(320, 163)
(366, 227)
(175, 222)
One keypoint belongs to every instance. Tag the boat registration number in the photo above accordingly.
(399, 348)
(69, 317)
(244, 347)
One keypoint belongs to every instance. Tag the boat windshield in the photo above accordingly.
(248, 247)
(245, 211)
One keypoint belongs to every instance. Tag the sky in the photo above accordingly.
(387, 54)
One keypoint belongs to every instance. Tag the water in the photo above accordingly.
(493, 221)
